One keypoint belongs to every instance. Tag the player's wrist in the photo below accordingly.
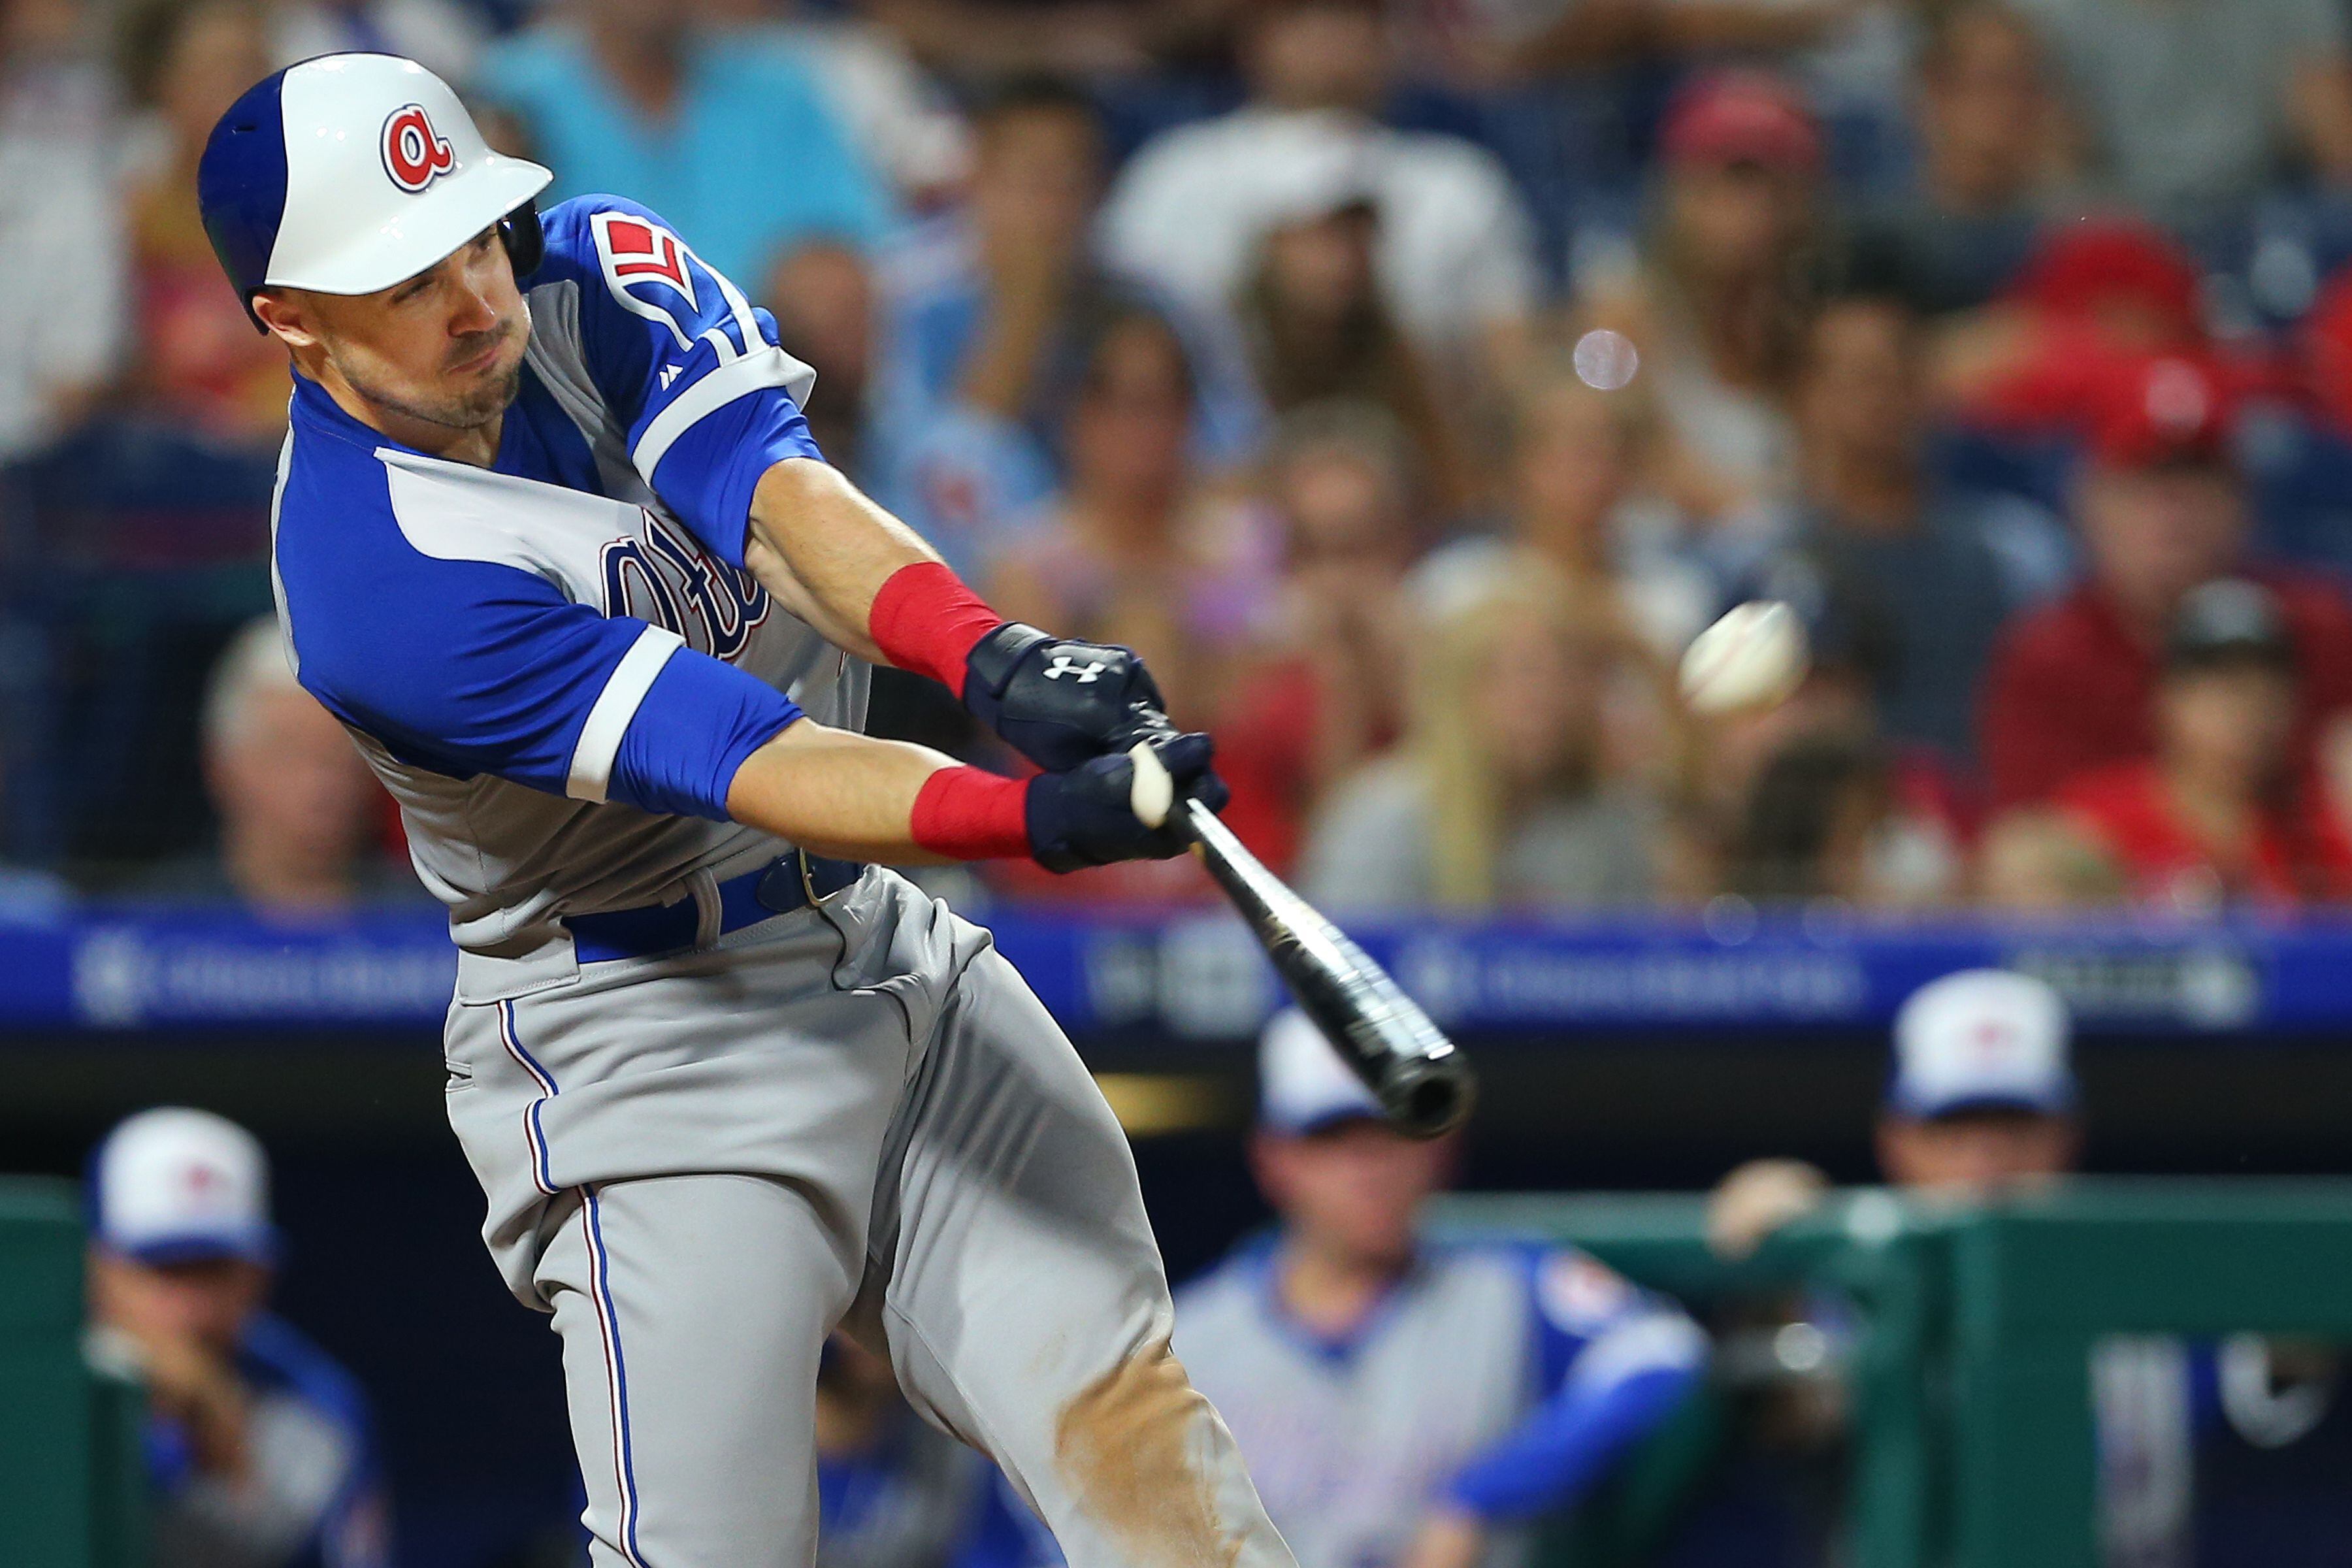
(969, 814)
(926, 620)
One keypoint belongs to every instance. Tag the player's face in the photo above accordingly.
(1977, 1154)
(443, 348)
(1355, 1189)
(207, 1302)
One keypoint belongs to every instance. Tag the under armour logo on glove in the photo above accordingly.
(1063, 665)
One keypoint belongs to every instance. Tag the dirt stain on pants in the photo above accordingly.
(1136, 1445)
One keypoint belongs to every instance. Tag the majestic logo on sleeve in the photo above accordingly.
(649, 271)
(666, 577)
(415, 154)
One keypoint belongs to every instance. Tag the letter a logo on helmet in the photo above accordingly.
(415, 154)
(346, 173)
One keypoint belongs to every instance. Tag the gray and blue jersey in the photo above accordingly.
(1500, 1380)
(556, 664)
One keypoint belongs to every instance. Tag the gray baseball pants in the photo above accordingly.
(855, 1114)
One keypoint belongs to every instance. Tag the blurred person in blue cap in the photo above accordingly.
(1401, 1402)
(1982, 1105)
(259, 1447)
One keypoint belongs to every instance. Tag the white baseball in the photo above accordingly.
(1152, 795)
(1753, 659)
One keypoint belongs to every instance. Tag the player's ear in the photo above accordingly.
(286, 315)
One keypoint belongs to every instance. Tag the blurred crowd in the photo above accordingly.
(1408, 381)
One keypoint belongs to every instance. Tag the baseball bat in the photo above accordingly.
(1419, 1078)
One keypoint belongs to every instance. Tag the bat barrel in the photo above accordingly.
(1428, 1096)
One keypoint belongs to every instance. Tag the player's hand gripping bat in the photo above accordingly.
(1422, 1080)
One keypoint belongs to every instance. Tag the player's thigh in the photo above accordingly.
(693, 1310)
(1026, 1306)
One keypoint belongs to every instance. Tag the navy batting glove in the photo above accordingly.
(1060, 702)
(1085, 817)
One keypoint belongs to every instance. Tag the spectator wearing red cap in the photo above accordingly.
(2221, 813)
(1993, 151)
(1718, 307)
(2099, 296)
(2161, 510)
(2193, 107)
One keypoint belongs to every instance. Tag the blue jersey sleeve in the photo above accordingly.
(1614, 1361)
(470, 666)
(688, 367)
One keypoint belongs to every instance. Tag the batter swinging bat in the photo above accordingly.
(1422, 1080)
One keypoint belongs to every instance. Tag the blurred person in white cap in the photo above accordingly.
(1400, 1402)
(1982, 1104)
(260, 1451)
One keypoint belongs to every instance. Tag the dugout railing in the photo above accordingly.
(1970, 1374)
(70, 1447)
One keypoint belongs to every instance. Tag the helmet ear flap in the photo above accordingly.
(526, 241)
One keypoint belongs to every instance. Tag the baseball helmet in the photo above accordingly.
(347, 174)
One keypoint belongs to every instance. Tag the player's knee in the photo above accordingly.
(1130, 1446)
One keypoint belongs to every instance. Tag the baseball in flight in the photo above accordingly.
(1752, 660)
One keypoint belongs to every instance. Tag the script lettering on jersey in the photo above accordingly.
(668, 579)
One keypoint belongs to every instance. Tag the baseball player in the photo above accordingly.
(553, 541)
(260, 1451)
(1406, 1405)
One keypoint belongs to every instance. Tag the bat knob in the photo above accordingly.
(1428, 1096)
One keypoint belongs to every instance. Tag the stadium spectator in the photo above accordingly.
(1318, 327)
(728, 136)
(2039, 861)
(980, 40)
(200, 362)
(445, 37)
(2221, 813)
(1510, 790)
(1995, 146)
(1326, 691)
(1401, 1404)
(1456, 252)
(1939, 569)
(895, 1491)
(822, 294)
(1581, 494)
(2096, 299)
(61, 223)
(1134, 551)
(259, 1447)
(2161, 508)
(1717, 313)
(894, 115)
(988, 312)
(2191, 106)
(298, 811)
(1819, 823)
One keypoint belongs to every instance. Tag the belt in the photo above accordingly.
(794, 881)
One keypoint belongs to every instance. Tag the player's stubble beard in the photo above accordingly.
(479, 403)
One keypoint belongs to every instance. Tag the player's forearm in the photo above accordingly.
(824, 550)
(835, 793)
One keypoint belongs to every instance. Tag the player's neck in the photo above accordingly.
(476, 445)
(1333, 1291)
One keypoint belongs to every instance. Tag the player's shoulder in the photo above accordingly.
(582, 238)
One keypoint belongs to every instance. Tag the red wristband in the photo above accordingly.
(925, 620)
(970, 814)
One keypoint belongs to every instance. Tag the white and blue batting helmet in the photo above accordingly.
(349, 173)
